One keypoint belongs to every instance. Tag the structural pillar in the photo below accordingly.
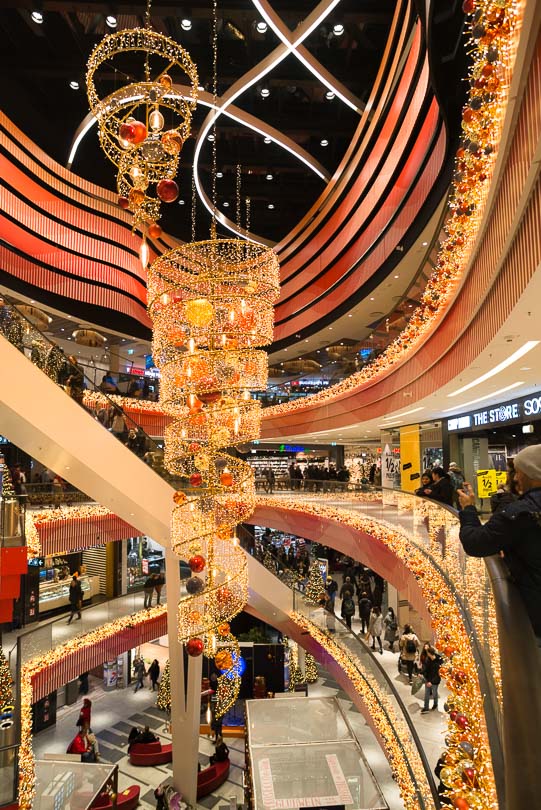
(185, 694)
(410, 457)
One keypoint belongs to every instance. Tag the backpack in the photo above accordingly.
(410, 646)
(348, 606)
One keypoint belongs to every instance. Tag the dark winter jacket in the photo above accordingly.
(515, 530)
(441, 491)
(365, 606)
(431, 669)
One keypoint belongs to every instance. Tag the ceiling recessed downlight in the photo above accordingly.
(186, 24)
(324, 142)
(37, 17)
(111, 21)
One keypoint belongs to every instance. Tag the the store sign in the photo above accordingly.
(505, 413)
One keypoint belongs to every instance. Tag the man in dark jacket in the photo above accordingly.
(515, 530)
(442, 489)
(75, 598)
(431, 674)
(365, 606)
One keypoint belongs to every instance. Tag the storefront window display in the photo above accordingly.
(144, 557)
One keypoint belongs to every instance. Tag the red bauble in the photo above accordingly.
(197, 563)
(154, 230)
(226, 479)
(127, 132)
(123, 202)
(448, 651)
(461, 804)
(460, 676)
(462, 721)
(167, 191)
(470, 776)
(453, 715)
(196, 479)
(140, 132)
(468, 6)
(194, 647)
(222, 595)
(194, 447)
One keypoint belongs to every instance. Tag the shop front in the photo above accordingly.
(46, 587)
(143, 557)
(482, 441)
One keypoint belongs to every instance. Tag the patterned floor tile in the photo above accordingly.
(208, 801)
(112, 755)
(110, 737)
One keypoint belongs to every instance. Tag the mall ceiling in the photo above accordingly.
(41, 63)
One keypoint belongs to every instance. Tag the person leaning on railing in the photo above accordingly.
(514, 530)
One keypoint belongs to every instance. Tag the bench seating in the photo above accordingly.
(126, 799)
(153, 753)
(212, 777)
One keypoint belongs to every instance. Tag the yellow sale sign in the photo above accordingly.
(487, 483)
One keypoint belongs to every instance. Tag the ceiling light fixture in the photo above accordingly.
(210, 137)
(265, 92)
(74, 85)
(329, 95)
(338, 29)
(181, 202)
(111, 21)
(270, 206)
(261, 27)
(186, 24)
(531, 344)
(324, 142)
(226, 204)
(269, 176)
(267, 140)
(219, 174)
(487, 396)
(394, 424)
(37, 17)
(405, 413)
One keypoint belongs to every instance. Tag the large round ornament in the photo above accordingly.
(466, 748)
(140, 132)
(196, 479)
(167, 191)
(197, 563)
(179, 497)
(462, 721)
(460, 803)
(123, 202)
(127, 132)
(154, 230)
(172, 142)
(223, 659)
(194, 585)
(224, 629)
(448, 776)
(194, 647)
(226, 479)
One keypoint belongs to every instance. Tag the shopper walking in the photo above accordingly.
(409, 647)
(83, 683)
(154, 674)
(139, 672)
(391, 627)
(75, 598)
(148, 589)
(515, 530)
(375, 628)
(431, 674)
(348, 608)
(365, 607)
(83, 721)
(331, 587)
(159, 582)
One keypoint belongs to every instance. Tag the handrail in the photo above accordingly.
(290, 579)
(521, 697)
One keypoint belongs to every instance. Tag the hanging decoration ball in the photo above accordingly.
(197, 563)
(166, 81)
(460, 803)
(179, 497)
(202, 461)
(194, 447)
(226, 479)
(466, 748)
(194, 616)
(448, 776)
(172, 142)
(194, 585)
(224, 629)
(468, 6)
(154, 230)
(223, 595)
(470, 776)
(194, 647)
(127, 132)
(167, 191)
(223, 659)
(448, 652)
(136, 197)
(196, 479)
(199, 312)
(123, 202)
(462, 721)
(140, 132)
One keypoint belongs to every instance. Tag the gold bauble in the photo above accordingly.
(199, 312)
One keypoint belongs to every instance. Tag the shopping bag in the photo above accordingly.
(417, 682)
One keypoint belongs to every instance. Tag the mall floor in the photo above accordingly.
(115, 712)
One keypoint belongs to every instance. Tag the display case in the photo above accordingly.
(53, 595)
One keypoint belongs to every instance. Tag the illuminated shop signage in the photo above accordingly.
(517, 410)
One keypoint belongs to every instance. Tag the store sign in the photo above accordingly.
(506, 413)
(292, 448)
(488, 482)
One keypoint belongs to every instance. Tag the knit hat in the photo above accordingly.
(453, 464)
(529, 461)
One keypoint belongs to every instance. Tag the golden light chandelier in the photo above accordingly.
(143, 124)
(211, 304)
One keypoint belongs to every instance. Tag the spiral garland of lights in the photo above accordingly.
(143, 124)
(211, 304)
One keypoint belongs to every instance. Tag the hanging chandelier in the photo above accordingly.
(143, 123)
(211, 304)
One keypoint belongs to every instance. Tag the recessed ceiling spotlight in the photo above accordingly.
(338, 29)
(261, 27)
(210, 137)
(350, 315)
(267, 140)
(37, 17)
(186, 24)
(269, 176)
(181, 202)
(372, 298)
(111, 21)
(397, 276)
(219, 174)
(270, 206)
(74, 85)
(226, 204)
(265, 92)
(425, 244)
(324, 142)
(329, 95)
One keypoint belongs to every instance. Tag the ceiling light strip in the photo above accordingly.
(486, 396)
(531, 344)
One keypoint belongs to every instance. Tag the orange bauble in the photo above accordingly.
(136, 196)
(223, 659)
(154, 230)
(179, 497)
(140, 132)
(224, 629)
(226, 479)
